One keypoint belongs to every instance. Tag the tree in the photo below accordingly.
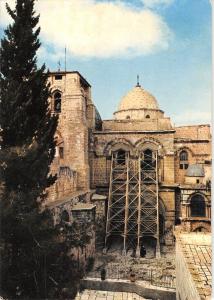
(30, 245)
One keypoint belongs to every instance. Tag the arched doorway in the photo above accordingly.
(197, 206)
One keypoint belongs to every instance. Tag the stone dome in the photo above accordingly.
(195, 170)
(138, 98)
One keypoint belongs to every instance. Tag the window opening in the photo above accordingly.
(197, 205)
(183, 160)
(58, 77)
(121, 157)
(147, 162)
(57, 102)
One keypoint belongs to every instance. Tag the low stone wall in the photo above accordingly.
(141, 288)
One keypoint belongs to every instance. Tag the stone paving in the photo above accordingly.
(159, 271)
(106, 295)
(197, 250)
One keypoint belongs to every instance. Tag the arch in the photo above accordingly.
(118, 144)
(200, 229)
(189, 150)
(183, 159)
(183, 155)
(151, 143)
(201, 226)
(147, 116)
(197, 205)
(128, 117)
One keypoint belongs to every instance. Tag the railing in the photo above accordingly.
(154, 276)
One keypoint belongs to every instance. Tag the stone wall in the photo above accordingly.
(196, 140)
(76, 118)
(142, 289)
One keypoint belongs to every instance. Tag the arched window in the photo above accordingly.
(183, 160)
(147, 116)
(57, 102)
(121, 157)
(147, 162)
(197, 206)
(128, 117)
(65, 216)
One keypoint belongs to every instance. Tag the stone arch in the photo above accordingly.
(203, 205)
(118, 144)
(198, 193)
(149, 143)
(201, 225)
(54, 91)
(189, 151)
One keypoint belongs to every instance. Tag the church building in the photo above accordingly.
(137, 170)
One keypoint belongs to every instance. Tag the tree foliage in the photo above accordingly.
(35, 261)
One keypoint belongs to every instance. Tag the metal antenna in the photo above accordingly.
(59, 65)
(138, 84)
(65, 58)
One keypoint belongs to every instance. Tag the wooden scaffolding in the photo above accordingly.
(133, 211)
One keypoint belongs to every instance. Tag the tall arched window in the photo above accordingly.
(183, 160)
(121, 157)
(147, 162)
(57, 102)
(198, 206)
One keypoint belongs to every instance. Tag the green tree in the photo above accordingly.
(31, 249)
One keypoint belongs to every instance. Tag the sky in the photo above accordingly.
(166, 42)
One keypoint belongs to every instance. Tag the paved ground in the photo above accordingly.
(104, 295)
(197, 249)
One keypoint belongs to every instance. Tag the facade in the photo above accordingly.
(143, 174)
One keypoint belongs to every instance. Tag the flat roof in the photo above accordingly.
(69, 72)
(66, 199)
(197, 250)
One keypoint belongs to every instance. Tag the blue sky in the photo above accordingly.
(166, 42)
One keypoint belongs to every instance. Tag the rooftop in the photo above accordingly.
(197, 250)
(138, 98)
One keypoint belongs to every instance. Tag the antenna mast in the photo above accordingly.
(65, 57)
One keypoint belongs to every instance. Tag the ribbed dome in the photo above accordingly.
(195, 170)
(138, 98)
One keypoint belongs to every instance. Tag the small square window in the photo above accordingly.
(58, 77)
(197, 181)
(185, 166)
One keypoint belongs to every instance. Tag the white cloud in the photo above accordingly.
(155, 3)
(100, 29)
(192, 117)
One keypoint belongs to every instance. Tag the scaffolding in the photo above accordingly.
(133, 211)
